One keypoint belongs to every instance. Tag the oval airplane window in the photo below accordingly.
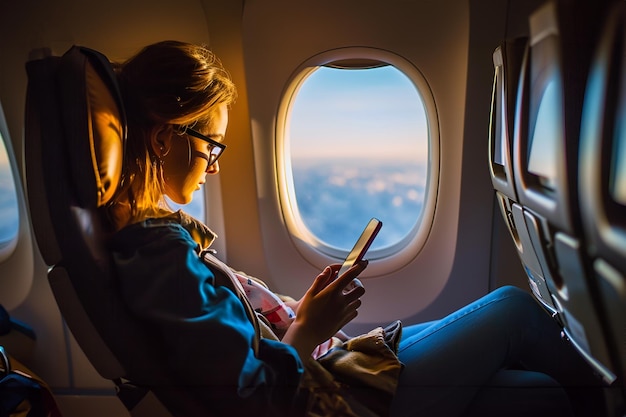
(358, 143)
(9, 212)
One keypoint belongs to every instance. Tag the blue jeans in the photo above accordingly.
(500, 355)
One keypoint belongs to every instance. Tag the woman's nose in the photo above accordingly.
(213, 168)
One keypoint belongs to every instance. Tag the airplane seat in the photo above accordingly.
(562, 38)
(507, 61)
(602, 178)
(74, 143)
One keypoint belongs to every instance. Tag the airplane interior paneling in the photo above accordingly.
(489, 138)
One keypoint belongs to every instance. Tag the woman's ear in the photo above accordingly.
(161, 140)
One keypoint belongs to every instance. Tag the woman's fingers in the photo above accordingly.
(355, 293)
(322, 280)
(350, 312)
(351, 303)
(345, 279)
(325, 308)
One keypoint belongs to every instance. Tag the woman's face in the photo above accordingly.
(184, 170)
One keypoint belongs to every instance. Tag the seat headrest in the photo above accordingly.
(94, 123)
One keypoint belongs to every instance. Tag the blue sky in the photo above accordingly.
(364, 113)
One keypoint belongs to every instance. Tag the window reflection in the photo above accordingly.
(548, 131)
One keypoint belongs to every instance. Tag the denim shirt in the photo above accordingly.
(204, 325)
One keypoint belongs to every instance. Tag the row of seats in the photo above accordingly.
(558, 166)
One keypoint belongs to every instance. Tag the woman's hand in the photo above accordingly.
(325, 309)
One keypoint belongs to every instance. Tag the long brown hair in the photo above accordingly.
(166, 83)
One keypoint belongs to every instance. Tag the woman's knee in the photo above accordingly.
(517, 297)
(522, 311)
(510, 291)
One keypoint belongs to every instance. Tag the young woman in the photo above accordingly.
(474, 362)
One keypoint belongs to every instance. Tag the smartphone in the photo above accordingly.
(358, 251)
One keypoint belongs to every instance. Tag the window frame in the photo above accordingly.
(306, 243)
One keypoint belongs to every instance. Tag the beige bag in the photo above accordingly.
(367, 368)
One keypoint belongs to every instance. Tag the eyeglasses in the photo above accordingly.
(215, 148)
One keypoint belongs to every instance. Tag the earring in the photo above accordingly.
(157, 161)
